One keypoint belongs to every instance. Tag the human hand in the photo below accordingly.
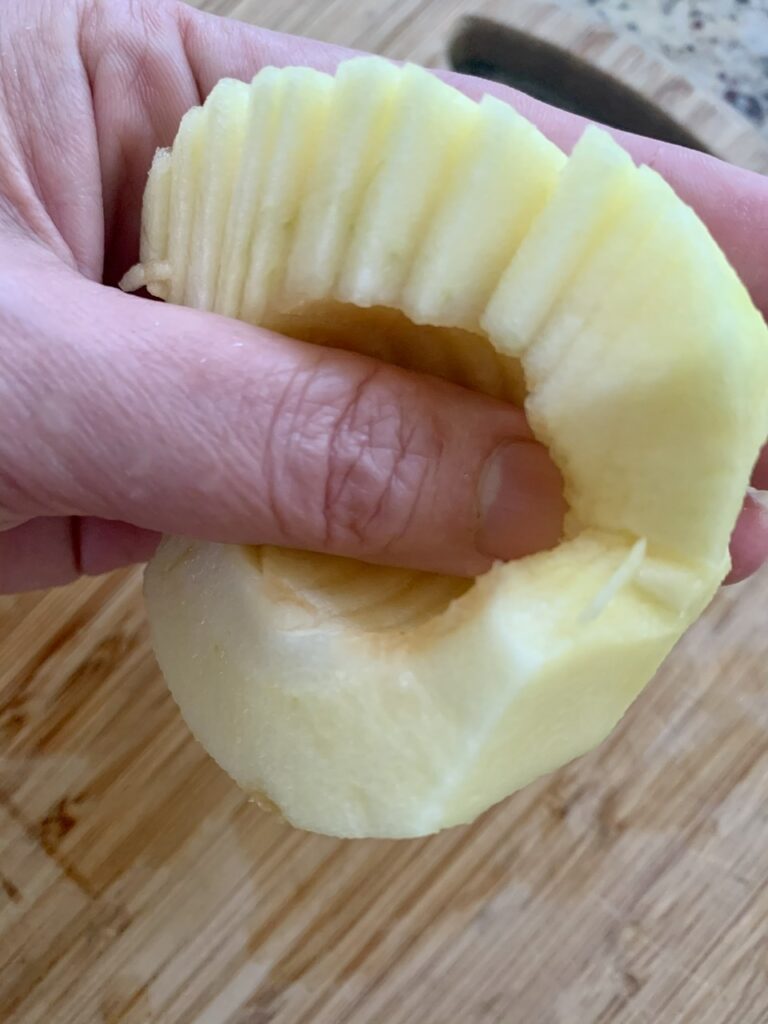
(123, 418)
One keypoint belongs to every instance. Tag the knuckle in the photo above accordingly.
(363, 455)
(380, 455)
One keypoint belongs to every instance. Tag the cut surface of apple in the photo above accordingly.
(382, 210)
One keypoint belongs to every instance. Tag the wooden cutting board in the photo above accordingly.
(137, 884)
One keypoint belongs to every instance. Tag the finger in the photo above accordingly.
(749, 544)
(184, 422)
(49, 552)
(760, 473)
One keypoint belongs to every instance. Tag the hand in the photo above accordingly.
(122, 418)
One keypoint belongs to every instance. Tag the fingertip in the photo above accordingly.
(760, 472)
(749, 543)
(521, 501)
(106, 544)
(37, 554)
(53, 551)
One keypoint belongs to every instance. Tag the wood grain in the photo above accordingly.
(139, 886)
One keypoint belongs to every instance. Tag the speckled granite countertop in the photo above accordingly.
(721, 45)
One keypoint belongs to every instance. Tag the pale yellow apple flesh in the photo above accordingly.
(382, 210)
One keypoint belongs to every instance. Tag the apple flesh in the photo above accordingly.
(384, 211)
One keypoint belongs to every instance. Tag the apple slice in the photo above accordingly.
(431, 130)
(260, 120)
(507, 174)
(596, 185)
(151, 273)
(351, 150)
(187, 158)
(299, 126)
(221, 160)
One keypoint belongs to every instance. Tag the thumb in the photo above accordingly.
(188, 423)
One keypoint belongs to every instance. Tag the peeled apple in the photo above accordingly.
(382, 210)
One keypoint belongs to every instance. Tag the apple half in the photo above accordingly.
(382, 210)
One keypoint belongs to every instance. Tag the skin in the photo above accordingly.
(122, 418)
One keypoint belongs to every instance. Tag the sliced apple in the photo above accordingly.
(507, 174)
(350, 152)
(383, 211)
(431, 130)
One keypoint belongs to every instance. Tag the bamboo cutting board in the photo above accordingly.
(138, 885)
